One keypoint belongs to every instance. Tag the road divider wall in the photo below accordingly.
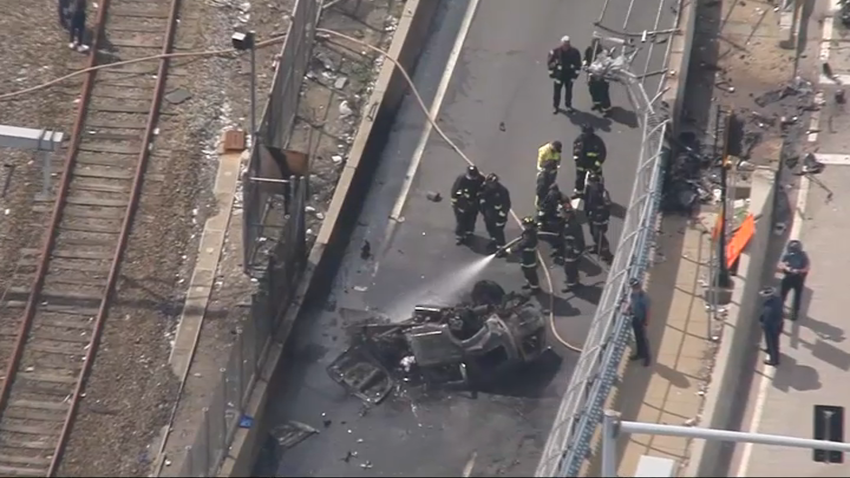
(390, 89)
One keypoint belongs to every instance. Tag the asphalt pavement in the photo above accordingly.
(500, 77)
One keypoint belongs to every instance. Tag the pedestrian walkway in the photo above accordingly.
(815, 353)
(670, 390)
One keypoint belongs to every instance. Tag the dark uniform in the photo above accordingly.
(598, 85)
(495, 203)
(572, 226)
(78, 25)
(545, 179)
(795, 267)
(527, 247)
(589, 153)
(564, 64)
(465, 191)
(639, 313)
(65, 14)
(599, 219)
(572, 255)
(771, 324)
(595, 194)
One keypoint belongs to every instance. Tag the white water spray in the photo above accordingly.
(444, 290)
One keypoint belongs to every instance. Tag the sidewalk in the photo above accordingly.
(815, 353)
(679, 339)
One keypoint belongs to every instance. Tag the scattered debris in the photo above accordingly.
(292, 433)
(175, 97)
(434, 196)
(464, 345)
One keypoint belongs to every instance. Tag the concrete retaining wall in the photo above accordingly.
(738, 327)
(408, 43)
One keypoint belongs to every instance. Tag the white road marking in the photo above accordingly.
(435, 109)
(834, 159)
(796, 231)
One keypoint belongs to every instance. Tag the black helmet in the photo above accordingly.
(473, 171)
(795, 245)
(587, 128)
(634, 282)
(528, 222)
(492, 178)
(557, 146)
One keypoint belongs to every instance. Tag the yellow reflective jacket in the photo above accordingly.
(547, 153)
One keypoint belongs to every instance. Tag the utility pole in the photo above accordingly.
(723, 128)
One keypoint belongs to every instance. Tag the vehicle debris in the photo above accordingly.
(468, 345)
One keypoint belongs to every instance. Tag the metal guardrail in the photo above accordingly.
(581, 409)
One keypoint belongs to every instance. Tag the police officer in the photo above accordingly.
(545, 179)
(638, 310)
(564, 64)
(495, 203)
(771, 323)
(794, 266)
(599, 217)
(596, 81)
(572, 255)
(527, 247)
(589, 153)
(595, 193)
(465, 193)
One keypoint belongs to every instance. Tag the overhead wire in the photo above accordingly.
(330, 33)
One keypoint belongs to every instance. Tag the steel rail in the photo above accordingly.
(56, 216)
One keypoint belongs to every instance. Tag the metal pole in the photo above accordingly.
(253, 88)
(610, 429)
(723, 271)
(45, 168)
(730, 436)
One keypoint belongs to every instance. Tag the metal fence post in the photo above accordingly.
(609, 443)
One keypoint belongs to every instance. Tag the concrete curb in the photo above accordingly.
(737, 333)
(390, 89)
(679, 61)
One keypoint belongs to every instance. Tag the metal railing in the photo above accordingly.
(580, 413)
(224, 415)
(265, 202)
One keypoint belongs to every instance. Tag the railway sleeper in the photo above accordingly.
(82, 300)
(78, 294)
(73, 212)
(93, 253)
(99, 226)
(57, 333)
(100, 123)
(25, 443)
(111, 147)
(33, 461)
(19, 471)
(126, 162)
(23, 427)
(97, 198)
(159, 10)
(77, 322)
(56, 308)
(146, 44)
(103, 172)
(21, 413)
(86, 238)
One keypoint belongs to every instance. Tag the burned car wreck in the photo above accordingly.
(468, 345)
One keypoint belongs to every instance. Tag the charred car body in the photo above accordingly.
(467, 345)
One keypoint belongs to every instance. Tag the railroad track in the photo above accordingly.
(59, 300)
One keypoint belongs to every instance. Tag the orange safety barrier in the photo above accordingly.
(740, 240)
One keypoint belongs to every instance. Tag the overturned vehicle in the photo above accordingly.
(469, 345)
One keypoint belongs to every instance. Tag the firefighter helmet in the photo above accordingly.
(528, 221)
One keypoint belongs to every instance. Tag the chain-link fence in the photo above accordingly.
(580, 413)
(224, 414)
(265, 194)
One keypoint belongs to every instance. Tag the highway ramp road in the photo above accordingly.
(499, 77)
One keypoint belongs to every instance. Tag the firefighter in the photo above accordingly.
(599, 217)
(595, 192)
(527, 247)
(564, 64)
(572, 256)
(549, 220)
(495, 203)
(596, 81)
(589, 153)
(545, 180)
(772, 324)
(465, 193)
(572, 225)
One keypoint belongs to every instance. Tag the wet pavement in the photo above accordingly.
(500, 78)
